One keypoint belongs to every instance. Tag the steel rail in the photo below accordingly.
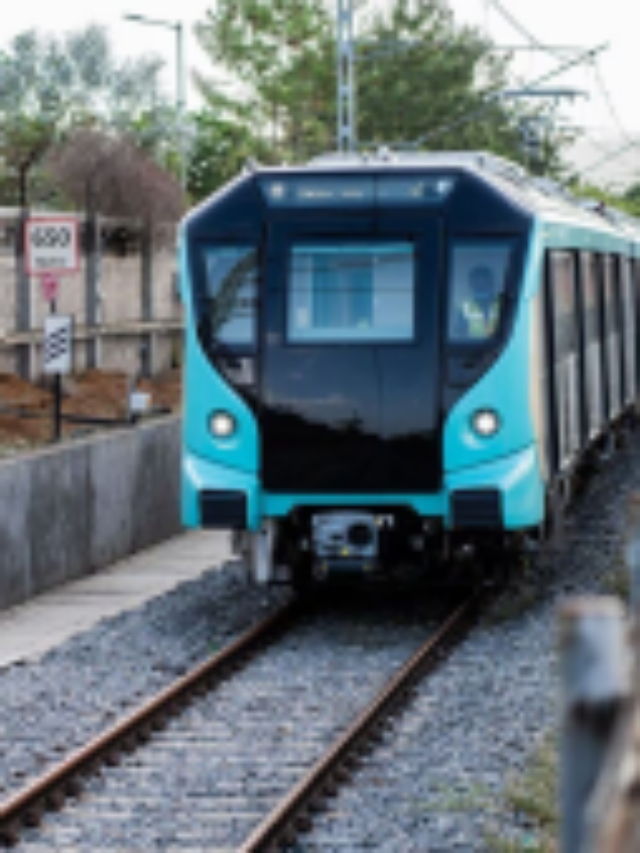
(49, 790)
(291, 815)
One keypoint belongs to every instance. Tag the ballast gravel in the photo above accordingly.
(206, 780)
(438, 780)
(53, 705)
(437, 784)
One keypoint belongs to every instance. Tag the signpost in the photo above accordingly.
(49, 286)
(58, 342)
(52, 251)
(52, 245)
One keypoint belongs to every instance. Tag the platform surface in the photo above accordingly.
(29, 630)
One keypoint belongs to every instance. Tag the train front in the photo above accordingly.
(348, 405)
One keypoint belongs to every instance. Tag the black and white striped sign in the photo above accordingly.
(58, 343)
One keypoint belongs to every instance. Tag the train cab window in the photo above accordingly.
(476, 290)
(229, 299)
(352, 292)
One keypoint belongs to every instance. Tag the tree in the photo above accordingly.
(112, 175)
(421, 78)
(627, 201)
(221, 147)
(631, 199)
(50, 86)
(263, 44)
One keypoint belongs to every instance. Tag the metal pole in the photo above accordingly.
(92, 273)
(23, 311)
(181, 88)
(181, 101)
(147, 355)
(346, 89)
(611, 823)
(595, 687)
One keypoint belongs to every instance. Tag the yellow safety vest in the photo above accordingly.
(480, 324)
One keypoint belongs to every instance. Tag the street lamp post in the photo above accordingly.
(177, 27)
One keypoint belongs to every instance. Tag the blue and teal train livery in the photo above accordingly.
(391, 361)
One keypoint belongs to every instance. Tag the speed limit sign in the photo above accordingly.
(51, 245)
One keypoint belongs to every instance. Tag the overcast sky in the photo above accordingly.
(574, 23)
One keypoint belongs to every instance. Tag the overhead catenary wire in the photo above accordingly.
(609, 157)
(597, 71)
(609, 101)
(491, 99)
(520, 28)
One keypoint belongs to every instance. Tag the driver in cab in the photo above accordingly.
(478, 315)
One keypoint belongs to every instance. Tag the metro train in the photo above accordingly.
(395, 360)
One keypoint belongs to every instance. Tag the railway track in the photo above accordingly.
(249, 789)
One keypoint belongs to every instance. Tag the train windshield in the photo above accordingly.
(228, 303)
(477, 288)
(351, 292)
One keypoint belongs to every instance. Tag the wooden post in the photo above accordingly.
(595, 686)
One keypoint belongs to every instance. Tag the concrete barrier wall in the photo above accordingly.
(70, 510)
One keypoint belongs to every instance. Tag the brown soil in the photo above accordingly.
(26, 410)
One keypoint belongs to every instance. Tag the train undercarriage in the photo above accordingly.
(320, 545)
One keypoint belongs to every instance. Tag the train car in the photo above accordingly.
(395, 360)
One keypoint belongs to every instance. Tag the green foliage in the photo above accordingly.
(50, 86)
(627, 202)
(279, 55)
(420, 76)
(631, 200)
(532, 802)
(220, 149)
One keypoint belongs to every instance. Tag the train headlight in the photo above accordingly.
(222, 424)
(485, 422)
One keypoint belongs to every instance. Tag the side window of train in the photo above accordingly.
(589, 298)
(628, 322)
(562, 269)
(351, 292)
(610, 297)
(636, 302)
(230, 294)
(477, 289)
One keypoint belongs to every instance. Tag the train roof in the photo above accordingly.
(540, 196)
(526, 197)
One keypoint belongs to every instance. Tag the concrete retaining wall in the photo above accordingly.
(67, 511)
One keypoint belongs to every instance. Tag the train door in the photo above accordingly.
(635, 268)
(612, 337)
(628, 331)
(350, 385)
(591, 325)
(566, 365)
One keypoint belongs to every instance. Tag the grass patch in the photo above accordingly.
(531, 804)
(474, 798)
(617, 581)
